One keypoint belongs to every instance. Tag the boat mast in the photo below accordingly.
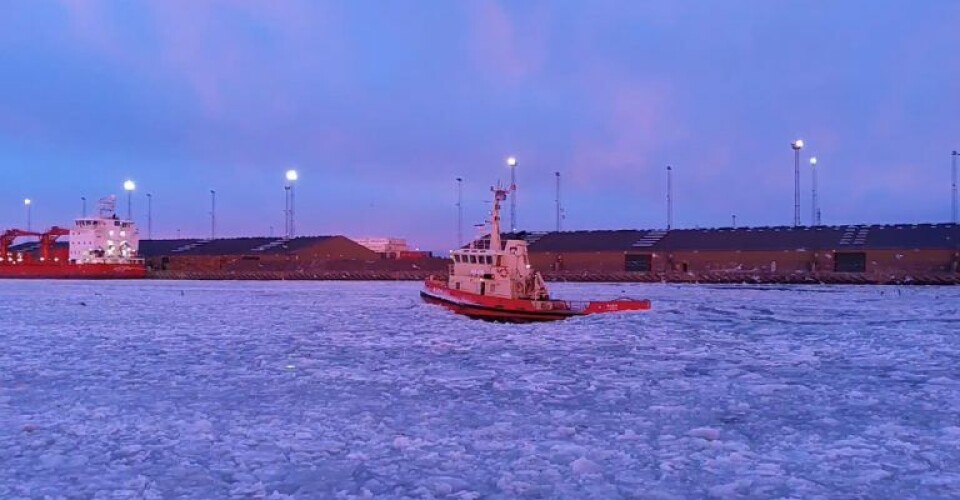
(500, 194)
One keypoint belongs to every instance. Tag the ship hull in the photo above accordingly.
(500, 309)
(493, 313)
(73, 271)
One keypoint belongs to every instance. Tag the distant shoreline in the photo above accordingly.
(717, 277)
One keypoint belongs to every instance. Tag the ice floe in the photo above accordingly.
(358, 390)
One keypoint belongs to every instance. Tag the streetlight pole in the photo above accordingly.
(797, 145)
(459, 212)
(83, 206)
(669, 197)
(292, 177)
(286, 211)
(512, 163)
(213, 214)
(734, 221)
(558, 200)
(814, 202)
(28, 203)
(129, 186)
(149, 216)
(953, 172)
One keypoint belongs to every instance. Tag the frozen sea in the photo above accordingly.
(167, 389)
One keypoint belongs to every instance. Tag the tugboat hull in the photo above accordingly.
(520, 311)
(495, 313)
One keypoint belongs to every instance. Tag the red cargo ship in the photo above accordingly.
(102, 247)
(492, 280)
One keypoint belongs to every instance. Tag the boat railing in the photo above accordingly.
(111, 260)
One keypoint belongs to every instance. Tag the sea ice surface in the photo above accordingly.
(163, 389)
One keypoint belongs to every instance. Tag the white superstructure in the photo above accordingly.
(496, 267)
(105, 238)
(391, 248)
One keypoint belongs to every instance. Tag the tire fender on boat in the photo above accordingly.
(502, 271)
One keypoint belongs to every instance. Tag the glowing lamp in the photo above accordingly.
(129, 185)
(27, 202)
(292, 175)
(813, 161)
(512, 161)
(797, 144)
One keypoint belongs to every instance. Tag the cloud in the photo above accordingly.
(220, 51)
(508, 48)
(633, 123)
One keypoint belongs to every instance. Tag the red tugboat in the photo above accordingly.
(102, 247)
(492, 280)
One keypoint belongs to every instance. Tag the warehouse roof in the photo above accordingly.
(853, 237)
(910, 236)
(228, 246)
(762, 238)
(151, 248)
(588, 241)
(34, 246)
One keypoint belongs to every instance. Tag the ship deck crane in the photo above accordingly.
(49, 238)
(7, 239)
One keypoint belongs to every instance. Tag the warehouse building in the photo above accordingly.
(867, 250)
(906, 248)
(254, 254)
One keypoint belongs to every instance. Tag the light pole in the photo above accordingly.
(814, 208)
(83, 206)
(129, 186)
(291, 177)
(149, 216)
(953, 176)
(459, 212)
(734, 221)
(512, 163)
(28, 203)
(213, 214)
(669, 197)
(797, 145)
(286, 210)
(558, 200)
